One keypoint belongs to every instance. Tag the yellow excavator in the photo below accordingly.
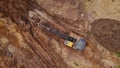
(78, 44)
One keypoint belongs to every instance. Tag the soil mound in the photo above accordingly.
(107, 33)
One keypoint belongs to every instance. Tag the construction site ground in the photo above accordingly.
(23, 44)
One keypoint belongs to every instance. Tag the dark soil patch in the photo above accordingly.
(107, 33)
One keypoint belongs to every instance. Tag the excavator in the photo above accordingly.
(72, 42)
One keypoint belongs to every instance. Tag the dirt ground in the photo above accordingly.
(23, 42)
(102, 9)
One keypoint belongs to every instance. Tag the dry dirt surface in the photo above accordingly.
(24, 44)
(102, 9)
(107, 33)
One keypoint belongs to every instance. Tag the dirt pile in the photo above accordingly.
(107, 33)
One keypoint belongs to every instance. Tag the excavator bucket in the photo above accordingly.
(80, 44)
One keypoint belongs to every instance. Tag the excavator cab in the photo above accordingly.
(68, 43)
